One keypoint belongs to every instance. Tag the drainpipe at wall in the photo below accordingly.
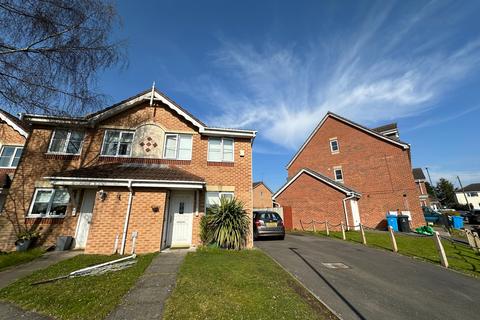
(345, 208)
(127, 217)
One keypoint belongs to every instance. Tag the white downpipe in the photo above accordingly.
(127, 217)
(345, 208)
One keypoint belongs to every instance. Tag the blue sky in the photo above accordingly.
(278, 66)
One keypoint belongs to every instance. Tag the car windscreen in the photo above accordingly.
(268, 216)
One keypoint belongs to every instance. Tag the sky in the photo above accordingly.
(279, 66)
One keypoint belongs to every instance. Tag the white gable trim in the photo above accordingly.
(346, 191)
(378, 135)
(13, 125)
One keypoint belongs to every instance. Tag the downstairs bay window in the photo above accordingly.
(49, 203)
(213, 198)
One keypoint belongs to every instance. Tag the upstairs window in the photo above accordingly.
(220, 150)
(10, 156)
(117, 143)
(49, 203)
(334, 146)
(178, 146)
(338, 174)
(66, 141)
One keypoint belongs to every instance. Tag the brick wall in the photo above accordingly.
(36, 164)
(311, 199)
(262, 197)
(381, 171)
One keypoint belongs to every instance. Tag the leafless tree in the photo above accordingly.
(51, 51)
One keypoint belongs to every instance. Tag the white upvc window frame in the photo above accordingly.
(331, 141)
(16, 147)
(67, 141)
(220, 194)
(177, 145)
(118, 147)
(50, 202)
(221, 145)
(335, 169)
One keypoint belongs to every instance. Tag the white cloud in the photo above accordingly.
(382, 72)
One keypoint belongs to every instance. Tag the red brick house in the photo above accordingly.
(144, 168)
(422, 188)
(13, 134)
(262, 195)
(347, 172)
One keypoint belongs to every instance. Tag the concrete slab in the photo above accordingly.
(146, 299)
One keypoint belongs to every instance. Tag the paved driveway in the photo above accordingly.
(377, 284)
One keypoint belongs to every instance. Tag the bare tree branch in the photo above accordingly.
(51, 52)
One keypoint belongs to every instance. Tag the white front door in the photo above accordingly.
(355, 214)
(85, 218)
(180, 219)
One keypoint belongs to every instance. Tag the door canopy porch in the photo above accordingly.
(128, 175)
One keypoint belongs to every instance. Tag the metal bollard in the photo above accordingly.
(343, 231)
(394, 241)
(326, 228)
(313, 223)
(441, 250)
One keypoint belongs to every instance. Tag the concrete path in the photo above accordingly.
(14, 273)
(146, 299)
(10, 311)
(376, 284)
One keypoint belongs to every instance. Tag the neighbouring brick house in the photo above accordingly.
(143, 168)
(347, 172)
(13, 134)
(421, 187)
(262, 195)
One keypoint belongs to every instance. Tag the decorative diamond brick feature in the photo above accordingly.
(155, 144)
(148, 144)
(147, 150)
(149, 139)
(142, 144)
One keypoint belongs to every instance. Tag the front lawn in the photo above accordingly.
(227, 284)
(460, 257)
(90, 297)
(15, 258)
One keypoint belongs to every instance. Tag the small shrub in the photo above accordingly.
(226, 225)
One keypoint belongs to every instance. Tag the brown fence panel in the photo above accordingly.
(287, 217)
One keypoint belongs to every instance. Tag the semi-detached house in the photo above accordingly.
(345, 172)
(142, 171)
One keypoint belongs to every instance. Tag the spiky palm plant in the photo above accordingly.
(226, 225)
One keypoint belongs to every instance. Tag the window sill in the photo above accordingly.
(30, 220)
(61, 156)
(220, 164)
(109, 159)
(335, 152)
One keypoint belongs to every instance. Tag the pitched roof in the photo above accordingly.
(4, 181)
(418, 174)
(472, 187)
(332, 183)
(17, 124)
(130, 171)
(256, 184)
(158, 96)
(329, 114)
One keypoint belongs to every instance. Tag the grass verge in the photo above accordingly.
(15, 258)
(247, 284)
(460, 257)
(90, 297)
